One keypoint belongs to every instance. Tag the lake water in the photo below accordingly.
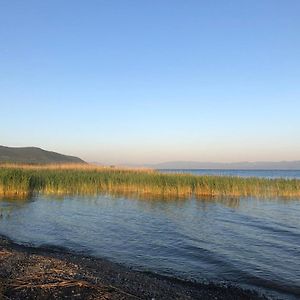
(246, 241)
(288, 174)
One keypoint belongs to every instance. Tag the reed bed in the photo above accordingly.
(72, 166)
(89, 179)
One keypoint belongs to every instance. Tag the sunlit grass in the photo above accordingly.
(92, 180)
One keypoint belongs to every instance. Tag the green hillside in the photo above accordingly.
(33, 155)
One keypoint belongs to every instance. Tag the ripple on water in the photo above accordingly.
(250, 242)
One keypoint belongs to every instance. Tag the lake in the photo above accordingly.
(254, 243)
(287, 174)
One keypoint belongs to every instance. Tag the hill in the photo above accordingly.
(33, 155)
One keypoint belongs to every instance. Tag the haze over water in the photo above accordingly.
(286, 174)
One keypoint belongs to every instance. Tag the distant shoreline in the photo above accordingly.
(216, 169)
(258, 165)
(246, 173)
(29, 272)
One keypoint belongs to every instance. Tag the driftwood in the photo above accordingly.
(54, 282)
(54, 278)
(33, 273)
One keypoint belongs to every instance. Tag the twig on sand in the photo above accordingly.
(56, 282)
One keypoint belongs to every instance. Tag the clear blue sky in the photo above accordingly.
(151, 81)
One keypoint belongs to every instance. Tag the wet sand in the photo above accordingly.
(51, 273)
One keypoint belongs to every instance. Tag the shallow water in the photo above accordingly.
(287, 174)
(250, 242)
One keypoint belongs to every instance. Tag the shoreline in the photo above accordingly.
(54, 273)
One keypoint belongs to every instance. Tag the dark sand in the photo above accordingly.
(46, 273)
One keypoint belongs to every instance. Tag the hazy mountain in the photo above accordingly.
(33, 155)
(261, 165)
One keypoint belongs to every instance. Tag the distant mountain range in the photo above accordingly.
(260, 165)
(33, 155)
(194, 165)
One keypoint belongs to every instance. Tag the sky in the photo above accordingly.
(136, 81)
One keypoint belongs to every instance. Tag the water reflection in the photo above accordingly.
(10, 204)
(242, 240)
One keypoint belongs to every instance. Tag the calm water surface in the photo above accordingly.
(288, 174)
(250, 242)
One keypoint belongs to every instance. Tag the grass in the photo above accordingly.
(87, 179)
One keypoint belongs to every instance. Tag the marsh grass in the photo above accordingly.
(23, 180)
